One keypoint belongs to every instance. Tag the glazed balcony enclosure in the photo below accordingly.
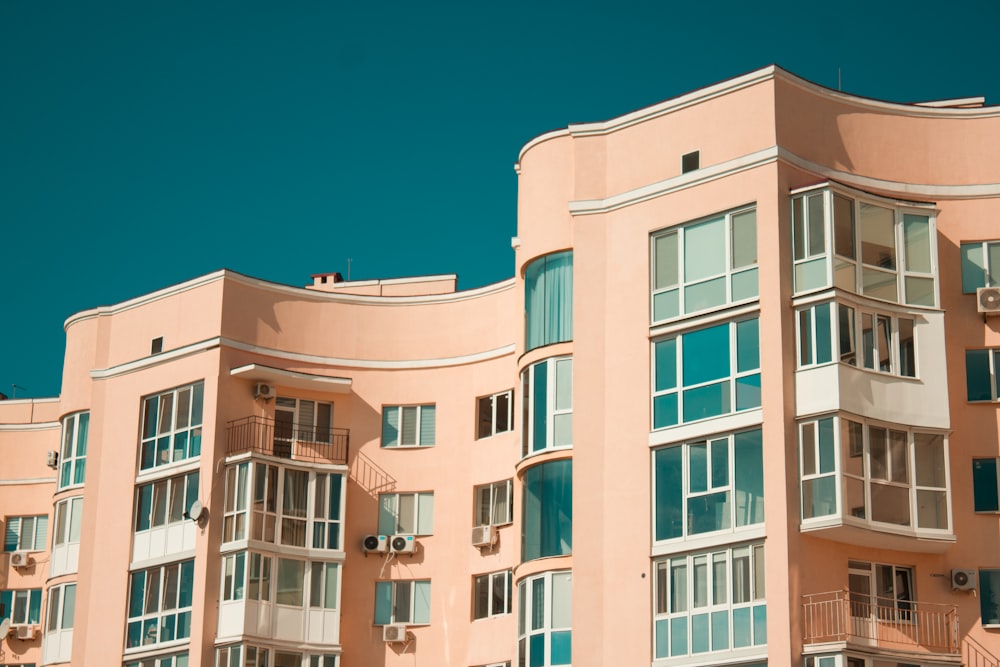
(870, 622)
(288, 440)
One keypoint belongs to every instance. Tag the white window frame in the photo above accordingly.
(305, 419)
(73, 453)
(554, 411)
(422, 518)
(157, 615)
(993, 367)
(234, 576)
(688, 600)
(550, 625)
(186, 424)
(396, 586)
(57, 616)
(679, 388)
(489, 582)
(900, 609)
(852, 268)
(232, 655)
(320, 592)
(681, 286)
(30, 540)
(172, 660)
(490, 502)
(263, 517)
(852, 348)
(845, 448)
(403, 414)
(20, 600)
(175, 493)
(489, 413)
(68, 518)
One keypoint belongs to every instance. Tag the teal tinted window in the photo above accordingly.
(705, 355)
(989, 596)
(985, 485)
(548, 300)
(667, 463)
(547, 510)
(973, 267)
(665, 352)
(977, 375)
(749, 477)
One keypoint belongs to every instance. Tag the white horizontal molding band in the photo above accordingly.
(27, 480)
(40, 426)
(380, 364)
(155, 360)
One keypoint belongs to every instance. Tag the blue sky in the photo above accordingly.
(145, 143)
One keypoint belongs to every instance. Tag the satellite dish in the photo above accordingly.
(196, 511)
(4, 627)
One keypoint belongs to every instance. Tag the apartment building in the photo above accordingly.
(737, 406)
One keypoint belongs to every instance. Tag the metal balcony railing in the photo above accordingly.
(920, 627)
(299, 442)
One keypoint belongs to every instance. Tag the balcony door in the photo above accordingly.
(302, 420)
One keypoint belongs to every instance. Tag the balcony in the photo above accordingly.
(299, 442)
(882, 624)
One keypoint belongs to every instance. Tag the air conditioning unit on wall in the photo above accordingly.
(988, 300)
(19, 559)
(261, 390)
(395, 632)
(483, 536)
(963, 580)
(24, 632)
(376, 544)
(403, 544)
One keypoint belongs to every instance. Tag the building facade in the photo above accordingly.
(738, 406)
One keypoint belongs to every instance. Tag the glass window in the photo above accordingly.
(981, 374)
(403, 602)
(544, 625)
(234, 567)
(815, 335)
(707, 602)
(171, 426)
(494, 503)
(327, 517)
(547, 405)
(708, 486)
(166, 501)
(406, 513)
(301, 420)
(548, 300)
(989, 596)
(159, 604)
(324, 585)
(22, 607)
(986, 485)
(887, 343)
(706, 373)
(240, 655)
(408, 426)
(491, 594)
(873, 472)
(547, 510)
(73, 453)
(494, 414)
(980, 265)
(69, 515)
(173, 660)
(704, 264)
(26, 533)
(895, 246)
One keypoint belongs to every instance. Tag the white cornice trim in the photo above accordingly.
(382, 364)
(295, 379)
(671, 185)
(28, 401)
(379, 364)
(300, 292)
(894, 189)
(146, 298)
(27, 480)
(155, 360)
(39, 426)
(332, 297)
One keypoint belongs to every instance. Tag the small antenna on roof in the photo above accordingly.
(839, 87)
(348, 269)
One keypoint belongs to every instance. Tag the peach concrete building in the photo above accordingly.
(738, 406)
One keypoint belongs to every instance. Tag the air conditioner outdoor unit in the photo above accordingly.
(19, 559)
(483, 536)
(376, 544)
(989, 300)
(403, 544)
(261, 390)
(24, 632)
(963, 580)
(394, 632)
(52, 458)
